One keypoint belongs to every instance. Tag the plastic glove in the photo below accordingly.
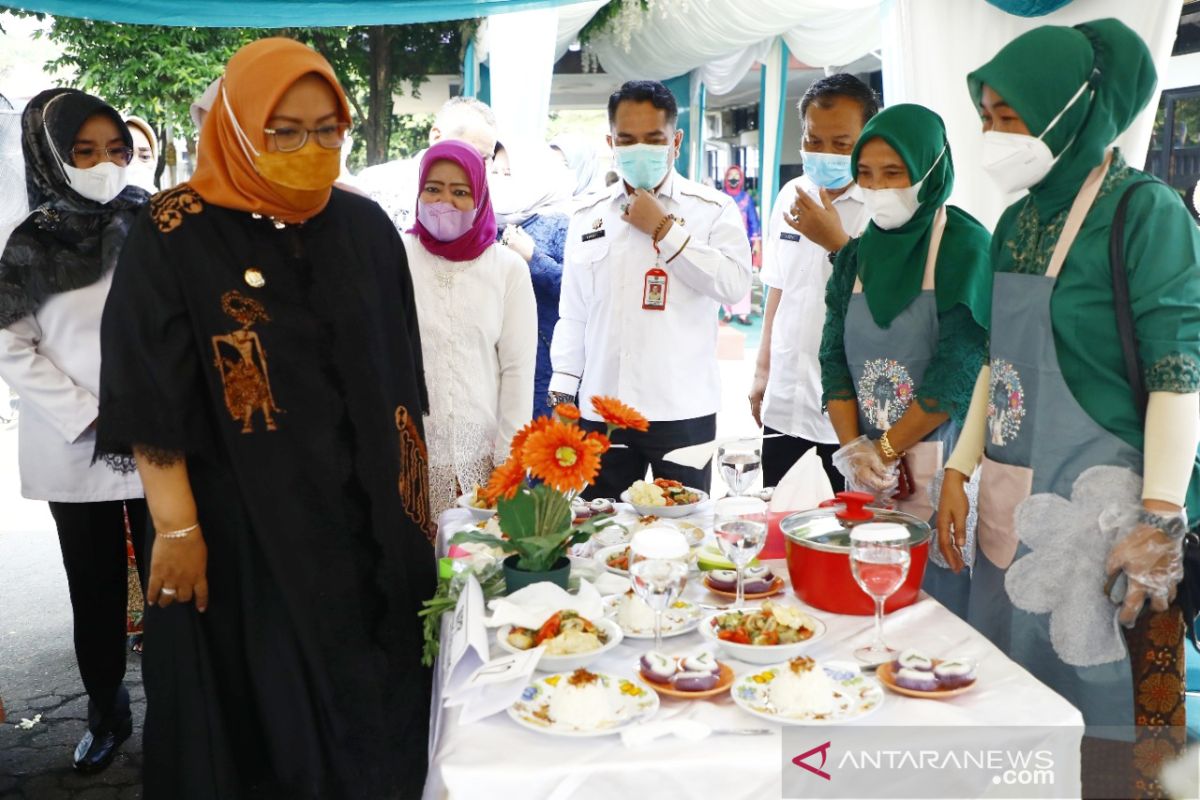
(1152, 563)
(864, 469)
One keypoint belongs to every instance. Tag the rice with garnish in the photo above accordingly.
(633, 614)
(582, 701)
(802, 687)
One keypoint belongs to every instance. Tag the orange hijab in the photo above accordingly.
(255, 79)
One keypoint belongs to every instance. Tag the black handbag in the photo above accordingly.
(1188, 592)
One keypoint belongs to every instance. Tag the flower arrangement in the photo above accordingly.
(551, 460)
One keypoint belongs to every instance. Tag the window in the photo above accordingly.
(1175, 145)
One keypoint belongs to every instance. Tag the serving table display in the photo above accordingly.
(498, 757)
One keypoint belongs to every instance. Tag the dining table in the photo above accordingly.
(1007, 709)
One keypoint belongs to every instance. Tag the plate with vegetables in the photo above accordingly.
(663, 498)
(571, 640)
(771, 633)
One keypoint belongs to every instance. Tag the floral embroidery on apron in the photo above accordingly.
(1006, 403)
(242, 361)
(414, 474)
(885, 390)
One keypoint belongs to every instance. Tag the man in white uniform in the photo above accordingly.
(814, 216)
(394, 184)
(646, 267)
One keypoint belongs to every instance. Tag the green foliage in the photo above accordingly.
(537, 523)
(157, 71)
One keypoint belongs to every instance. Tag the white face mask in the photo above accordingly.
(101, 183)
(141, 174)
(892, 208)
(1016, 161)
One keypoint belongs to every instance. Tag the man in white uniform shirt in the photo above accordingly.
(814, 215)
(646, 267)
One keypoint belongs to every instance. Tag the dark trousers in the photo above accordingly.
(621, 466)
(782, 453)
(92, 537)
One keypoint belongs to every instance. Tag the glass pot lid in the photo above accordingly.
(828, 527)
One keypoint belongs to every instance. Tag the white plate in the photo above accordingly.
(759, 653)
(637, 704)
(667, 512)
(679, 619)
(464, 501)
(601, 558)
(856, 696)
(549, 663)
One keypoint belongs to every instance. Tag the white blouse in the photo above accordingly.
(52, 359)
(479, 342)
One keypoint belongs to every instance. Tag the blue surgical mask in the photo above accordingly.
(827, 170)
(643, 166)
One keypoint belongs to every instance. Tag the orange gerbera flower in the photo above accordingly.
(619, 415)
(506, 480)
(601, 441)
(562, 456)
(567, 412)
(518, 440)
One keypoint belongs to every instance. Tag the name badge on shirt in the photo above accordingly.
(789, 237)
(587, 237)
(654, 292)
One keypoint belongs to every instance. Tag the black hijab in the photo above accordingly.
(67, 241)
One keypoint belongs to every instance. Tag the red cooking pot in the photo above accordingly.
(818, 554)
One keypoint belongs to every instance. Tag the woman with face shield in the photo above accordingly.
(478, 319)
(906, 323)
(1088, 418)
(263, 363)
(55, 274)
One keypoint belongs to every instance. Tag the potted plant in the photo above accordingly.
(551, 460)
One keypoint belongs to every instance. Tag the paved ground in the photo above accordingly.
(37, 663)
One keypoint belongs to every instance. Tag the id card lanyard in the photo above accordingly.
(654, 290)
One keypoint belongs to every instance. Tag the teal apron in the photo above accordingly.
(1039, 440)
(887, 365)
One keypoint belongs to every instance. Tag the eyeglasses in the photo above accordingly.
(288, 140)
(88, 156)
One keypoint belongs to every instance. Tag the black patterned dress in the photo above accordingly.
(284, 365)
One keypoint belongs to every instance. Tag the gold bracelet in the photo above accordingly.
(885, 446)
(179, 534)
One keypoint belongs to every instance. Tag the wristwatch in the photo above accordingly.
(1173, 525)
(557, 398)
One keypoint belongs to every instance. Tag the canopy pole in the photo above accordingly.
(771, 114)
(470, 84)
(681, 87)
(698, 108)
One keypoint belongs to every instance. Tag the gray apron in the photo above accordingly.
(1039, 440)
(887, 365)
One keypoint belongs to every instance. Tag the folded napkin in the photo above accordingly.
(697, 455)
(533, 605)
(689, 729)
(804, 487)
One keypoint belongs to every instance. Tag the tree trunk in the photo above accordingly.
(379, 94)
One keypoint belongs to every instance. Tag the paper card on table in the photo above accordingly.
(467, 637)
(494, 686)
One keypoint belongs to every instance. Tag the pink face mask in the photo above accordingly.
(445, 222)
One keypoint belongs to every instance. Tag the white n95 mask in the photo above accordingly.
(1016, 161)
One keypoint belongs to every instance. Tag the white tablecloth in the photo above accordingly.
(497, 759)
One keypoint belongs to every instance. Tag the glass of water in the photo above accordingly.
(659, 582)
(741, 532)
(879, 559)
(740, 464)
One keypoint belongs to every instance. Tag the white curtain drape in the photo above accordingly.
(818, 32)
(571, 19)
(14, 206)
(929, 46)
(521, 57)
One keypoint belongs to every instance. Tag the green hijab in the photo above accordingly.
(1040, 71)
(891, 264)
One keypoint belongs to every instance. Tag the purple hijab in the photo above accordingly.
(482, 233)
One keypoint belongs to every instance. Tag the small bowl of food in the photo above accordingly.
(571, 641)
(663, 498)
(478, 507)
(771, 633)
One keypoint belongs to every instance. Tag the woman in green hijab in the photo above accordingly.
(1083, 487)
(907, 312)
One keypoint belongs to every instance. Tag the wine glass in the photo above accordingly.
(879, 559)
(741, 532)
(740, 463)
(659, 582)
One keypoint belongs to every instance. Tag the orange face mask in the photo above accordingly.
(312, 168)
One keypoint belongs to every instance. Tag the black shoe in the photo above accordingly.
(96, 751)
